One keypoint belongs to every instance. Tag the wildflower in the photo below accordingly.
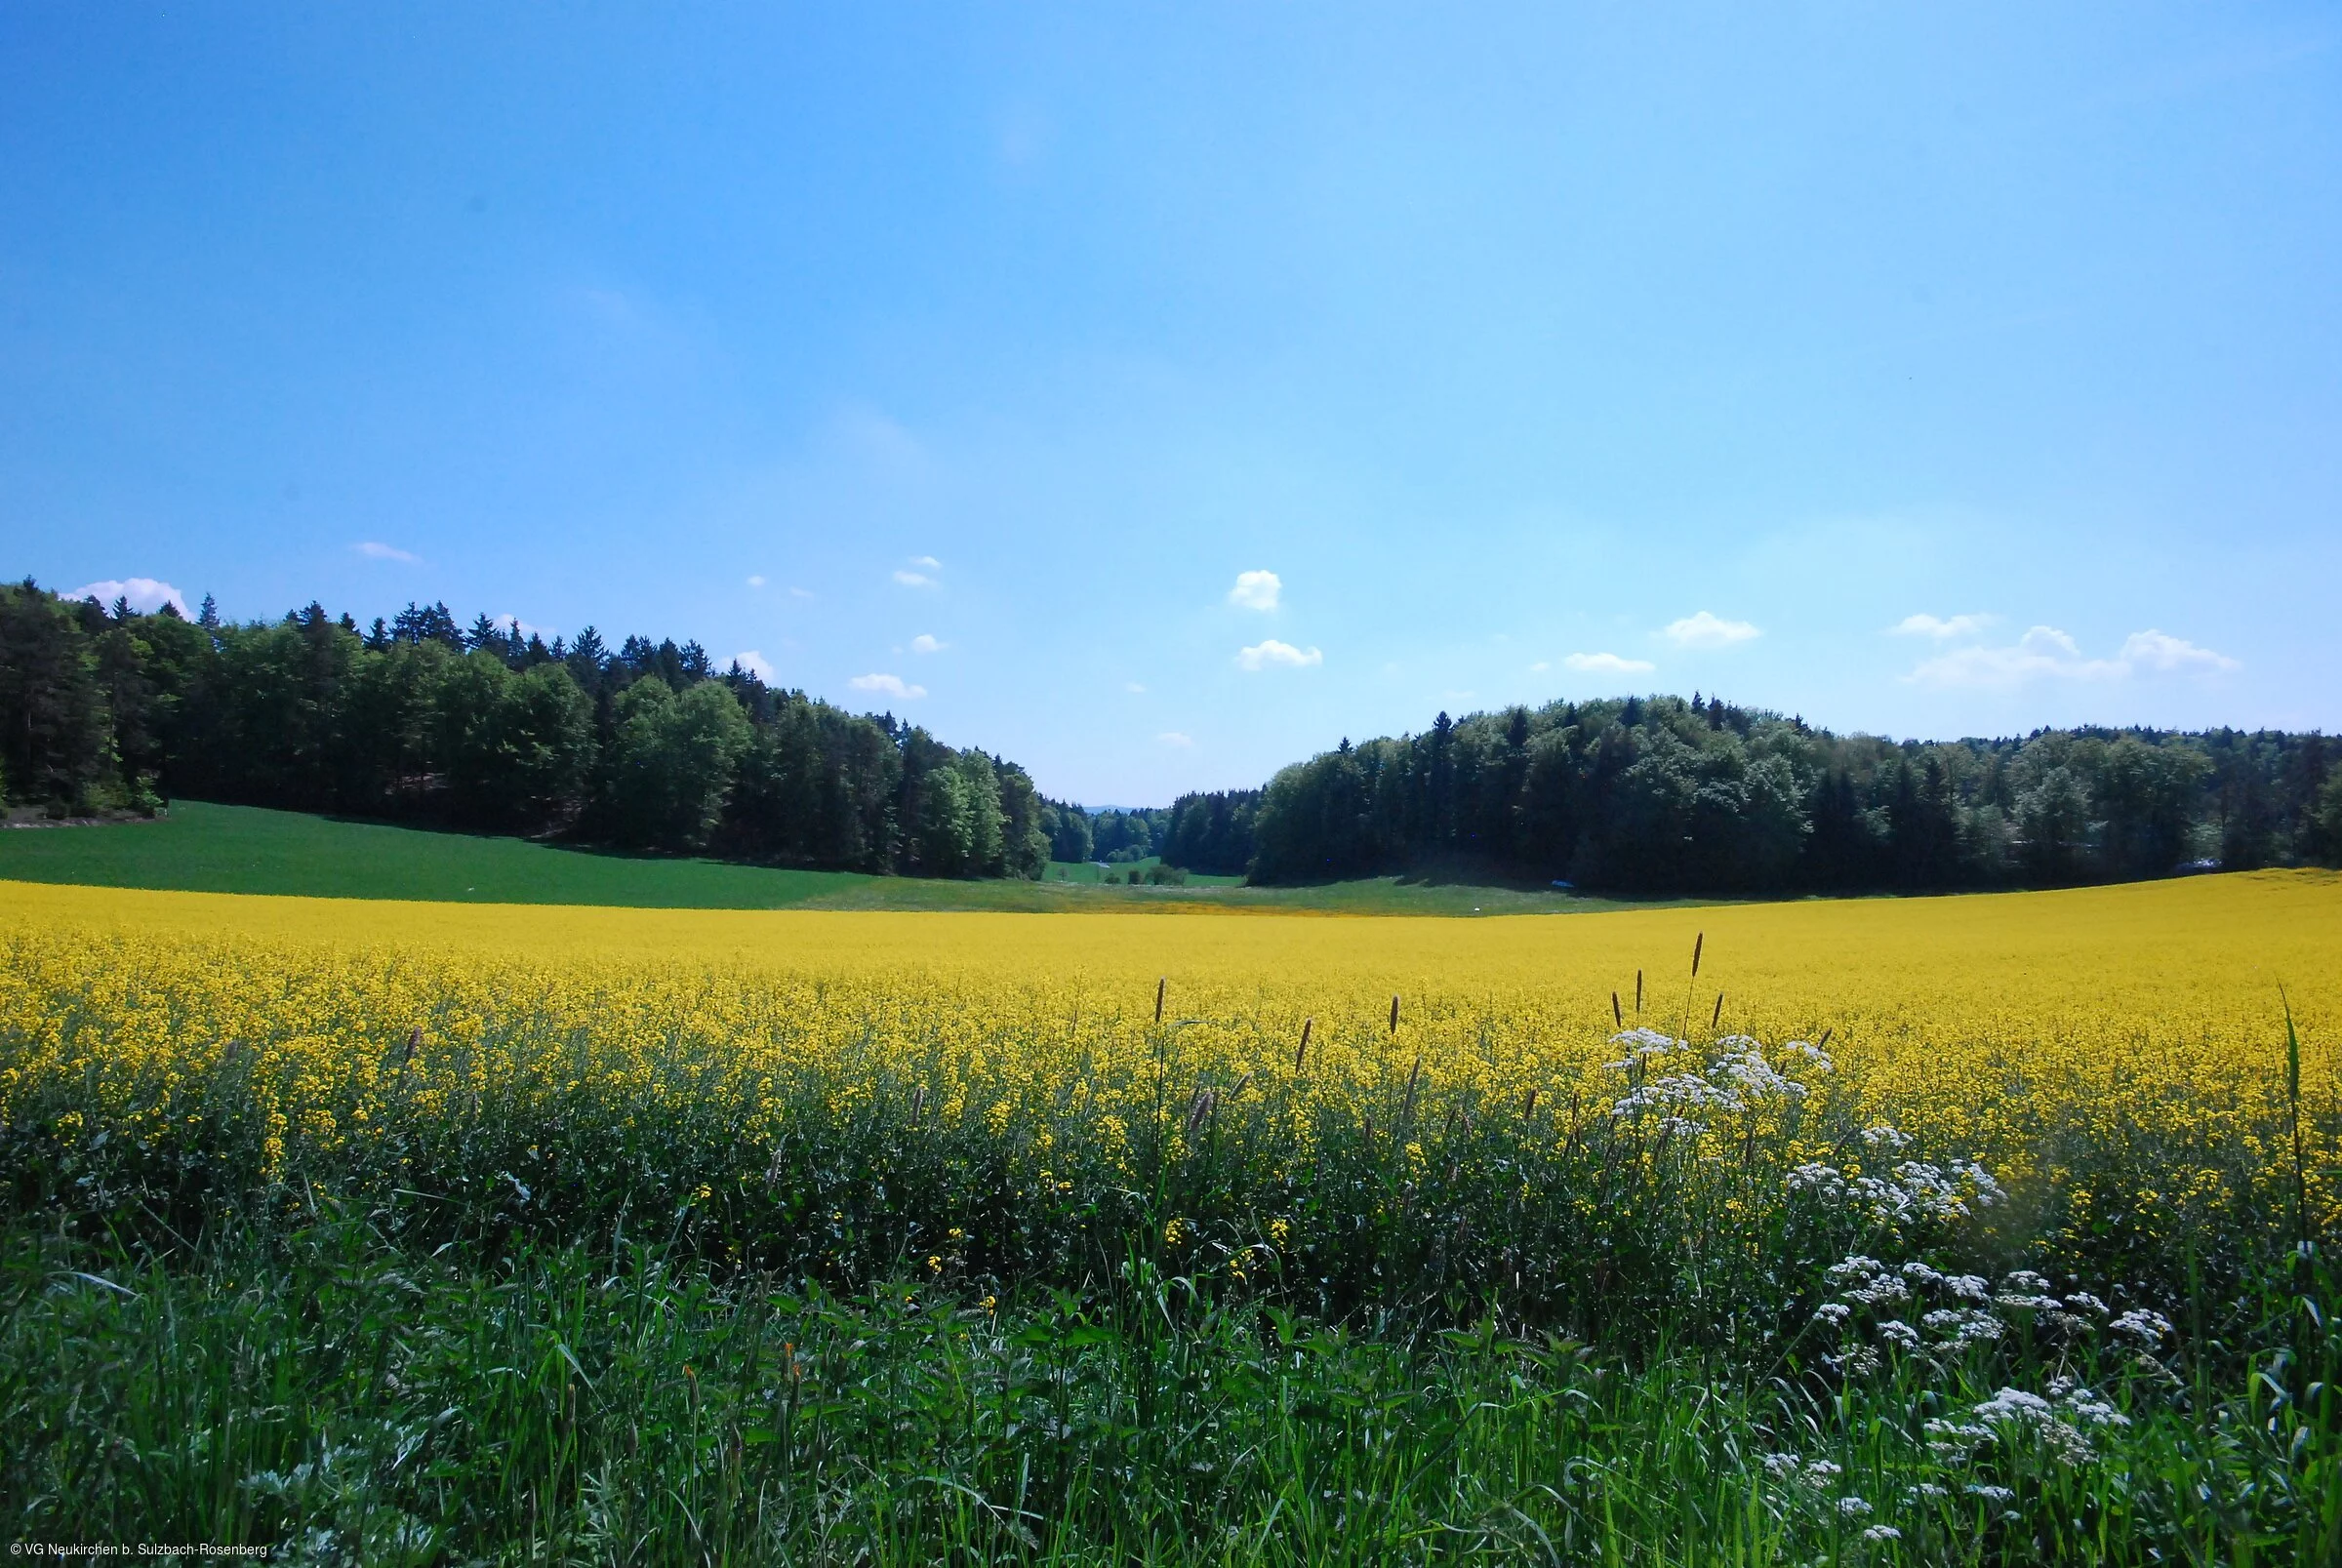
(1881, 1532)
(1852, 1508)
(2147, 1327)
(2014, 1406)
(1813, 1055)
(1642, 1045)
(1899, 1333)
(1815, 1177)
(1962, 1325)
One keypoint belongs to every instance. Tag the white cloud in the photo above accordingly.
(1256, 590)
(1705, 630)
(1539, 667)
(2046, 652)
(1941, 628)
(376, 550)
(800, 594)
(514, 623)
(1608, 665)
(145, 594)
(914, 580)
(924, 644)
(1133, 686)
(927, 561)
(2160, 650)
(891, 685)
(1176, 738)
(1263, 655)
(756, 582)
(756, 665)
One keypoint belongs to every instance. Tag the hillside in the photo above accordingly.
(206, 847)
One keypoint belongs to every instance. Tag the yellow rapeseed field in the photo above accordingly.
(2141, 1023)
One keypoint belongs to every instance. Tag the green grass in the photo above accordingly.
(1095, 874)
(339, 1398)
(206, 848)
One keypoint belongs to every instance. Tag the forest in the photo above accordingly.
(645, 746)
(648, 747)
(1661, 795)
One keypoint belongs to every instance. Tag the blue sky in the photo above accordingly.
(1923, 373)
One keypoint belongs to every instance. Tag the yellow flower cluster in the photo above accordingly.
(2010, 1029)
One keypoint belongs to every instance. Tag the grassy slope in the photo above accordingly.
(205, 848)
(1092, 872)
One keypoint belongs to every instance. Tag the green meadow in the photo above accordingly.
(205, 848)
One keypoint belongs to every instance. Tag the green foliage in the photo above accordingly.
(56, 735)
(2328, 821)
(202, 847)
(313, 1385)
(1658, 794)
(670, 763)
(648, 747)
(1213, 833)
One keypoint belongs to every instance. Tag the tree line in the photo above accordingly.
(649, 747)
(1659, 794)
(646, 745)
(1113, 836)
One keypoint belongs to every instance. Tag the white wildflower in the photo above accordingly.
(1642, 1045)
(1813, 1053)
(1962, 1325)
(1985, 1191)
(1751, 1075)
(1883, 1531)
(1852, 1508)
(2145, 1326)
(2085, 1409)
(1815, 1177)
(1899, 1333)
(2014, 1406)
(1991, 1494)
(1885, 1137)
